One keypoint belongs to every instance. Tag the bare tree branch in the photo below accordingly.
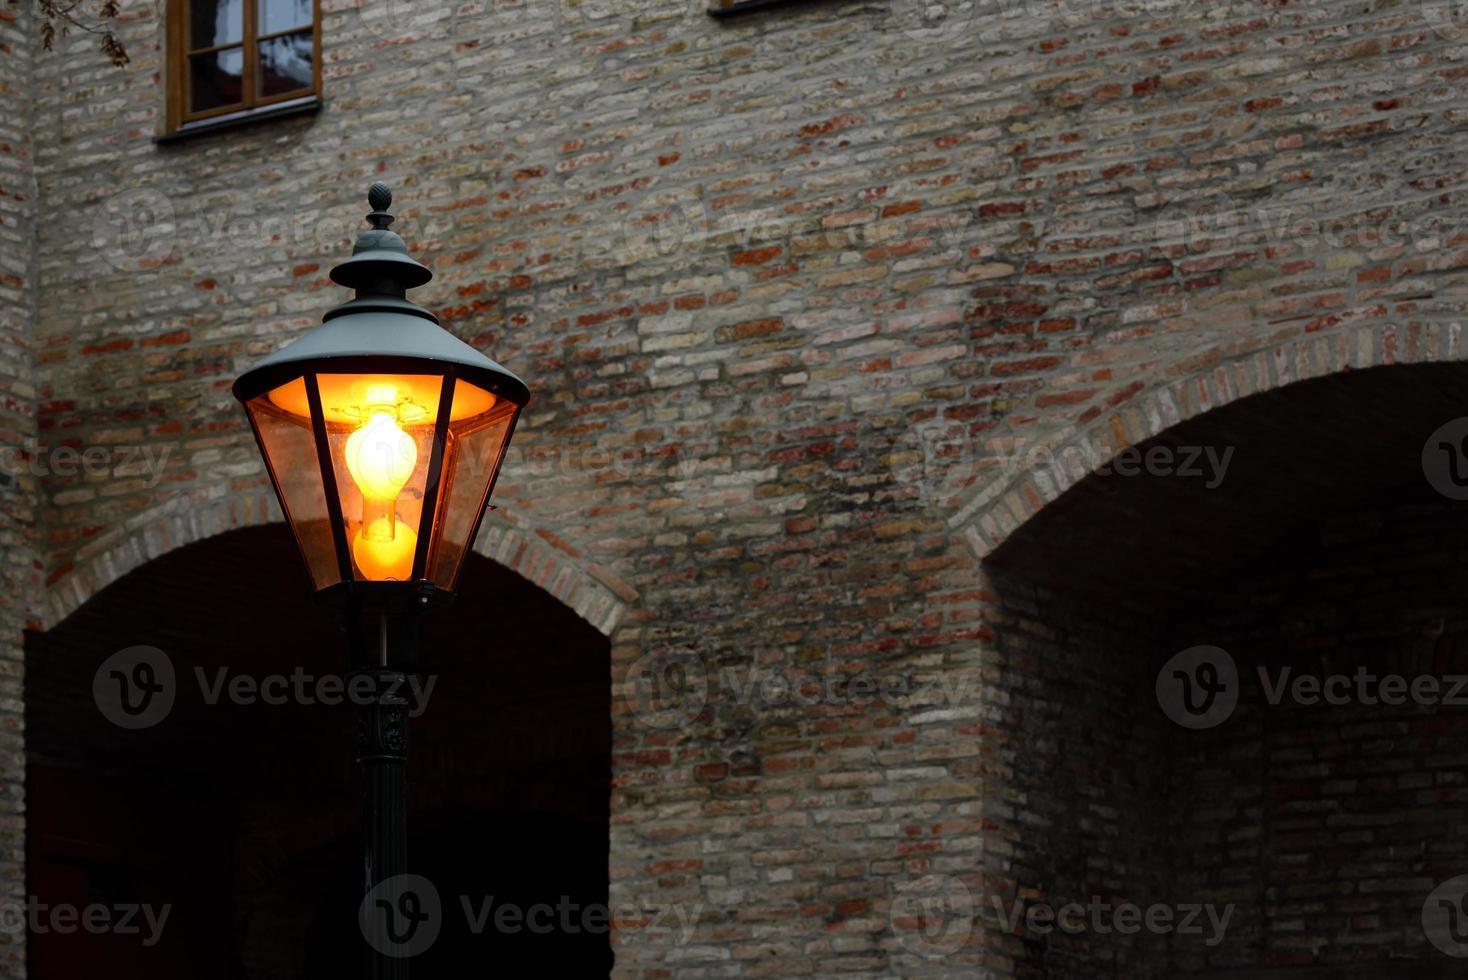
(92, 16)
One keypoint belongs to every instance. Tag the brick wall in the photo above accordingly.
(1086, 779)
(19, 491)
(772, 281)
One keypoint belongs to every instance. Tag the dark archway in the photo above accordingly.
(1322, 552)
(242, 817)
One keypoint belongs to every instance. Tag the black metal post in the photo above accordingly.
(382, 755)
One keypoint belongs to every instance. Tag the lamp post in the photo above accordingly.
(383, 435)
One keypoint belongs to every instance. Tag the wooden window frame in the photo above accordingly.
(181, 119)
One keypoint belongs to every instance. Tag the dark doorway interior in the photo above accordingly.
(242, 817)
(1320, 825)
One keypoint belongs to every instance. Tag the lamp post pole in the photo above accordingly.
(382, 756)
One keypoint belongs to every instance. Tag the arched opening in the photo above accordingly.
(237, 808)
(1194, 644)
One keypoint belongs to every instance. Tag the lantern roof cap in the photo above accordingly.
(380, 329)
(379, 253)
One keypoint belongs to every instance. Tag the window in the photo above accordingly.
(236, 59)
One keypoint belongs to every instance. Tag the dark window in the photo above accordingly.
(235, 58)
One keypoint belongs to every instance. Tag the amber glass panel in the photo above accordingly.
(381, 445)
(344, 397)
(475, 449)
(290, 453)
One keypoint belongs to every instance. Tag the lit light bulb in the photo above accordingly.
(381, 559)
(381, 458)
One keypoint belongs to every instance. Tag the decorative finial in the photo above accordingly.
(379, 196)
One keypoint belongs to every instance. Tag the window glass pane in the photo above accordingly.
(215, 79)
(285, 64)
(215, 22)
(282, 15)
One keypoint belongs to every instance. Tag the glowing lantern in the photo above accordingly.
(383, 433)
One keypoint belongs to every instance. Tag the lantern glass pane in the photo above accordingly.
(380, 430)
(290, 454)
(476, 445)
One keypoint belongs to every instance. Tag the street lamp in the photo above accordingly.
(383, 435)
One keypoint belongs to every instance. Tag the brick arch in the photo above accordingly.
(987, 519)
(541, 557)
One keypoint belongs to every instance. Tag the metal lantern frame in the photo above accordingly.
(381, 333)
